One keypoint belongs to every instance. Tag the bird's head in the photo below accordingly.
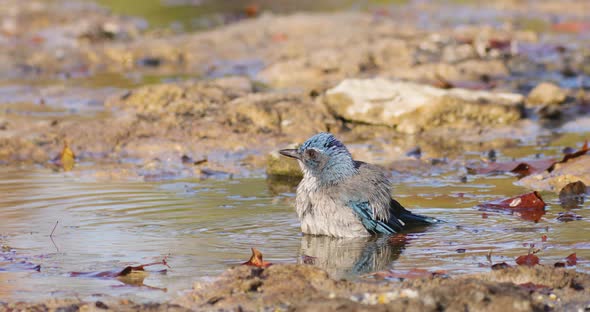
(323, 157)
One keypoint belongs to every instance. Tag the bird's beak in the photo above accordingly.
(293, 153)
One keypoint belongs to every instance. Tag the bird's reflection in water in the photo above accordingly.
(347, 257)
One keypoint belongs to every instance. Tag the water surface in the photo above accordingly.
(207, 226)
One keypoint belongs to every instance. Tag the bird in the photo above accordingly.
(342, 197)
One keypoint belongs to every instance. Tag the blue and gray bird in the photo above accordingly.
(343, 197)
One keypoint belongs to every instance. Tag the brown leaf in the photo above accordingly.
(500, 266)
(521, 168)
(528, 206)
(525, 168)
(256, 260)
(571, 260)
(567, 157)
(529, 260)
(118, 273)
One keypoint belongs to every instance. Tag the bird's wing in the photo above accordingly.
(364, 212)
(408, 217)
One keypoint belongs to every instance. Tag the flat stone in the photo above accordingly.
(411, 107)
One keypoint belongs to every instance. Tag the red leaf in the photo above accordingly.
(256, 260)
(544, 238)
(571, 260)
(528, 206)
(529, 260)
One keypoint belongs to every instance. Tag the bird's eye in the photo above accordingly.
(311, 153)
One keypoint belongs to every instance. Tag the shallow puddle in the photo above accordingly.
(206, 226)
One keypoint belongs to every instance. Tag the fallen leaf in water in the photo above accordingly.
(256, 260)
(567, 157)
(67, 157)
(571, 260)
(525, 168)
(528, 206)
(568, 216)
(408, 274)
(544, 238)
(520, 168)
(119, 273)
(500, 266)
(529, 260)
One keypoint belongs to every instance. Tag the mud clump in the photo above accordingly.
(546, 94)
(307, 288)
(304, 287)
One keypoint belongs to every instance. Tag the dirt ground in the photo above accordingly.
(307, 288)
(260, 85)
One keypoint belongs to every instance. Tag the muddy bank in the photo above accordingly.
(243, 90)
(307, 288)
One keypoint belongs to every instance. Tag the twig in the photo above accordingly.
(56, 222)
(54, 244)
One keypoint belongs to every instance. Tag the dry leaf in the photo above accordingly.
(256, 260)
(528, 206)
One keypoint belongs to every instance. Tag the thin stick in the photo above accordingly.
(56, 222)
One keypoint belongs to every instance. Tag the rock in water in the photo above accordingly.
(546, 94)
(411, 107)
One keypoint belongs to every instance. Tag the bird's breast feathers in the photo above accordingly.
(324, 211)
